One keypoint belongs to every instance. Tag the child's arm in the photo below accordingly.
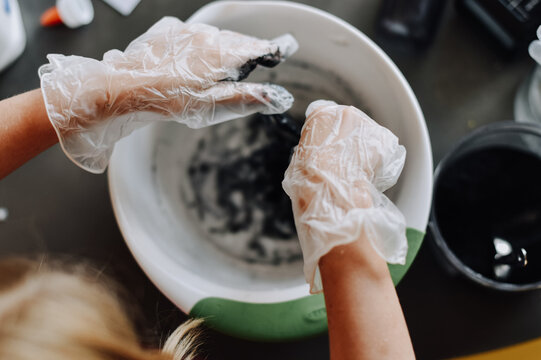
(25, 130)
(364, 314)
(189, 73)
(349, 228)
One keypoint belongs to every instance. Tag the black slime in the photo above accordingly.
(487, 194)
(247, 177)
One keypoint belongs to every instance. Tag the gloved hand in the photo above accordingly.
(336, 178)
(174, 71)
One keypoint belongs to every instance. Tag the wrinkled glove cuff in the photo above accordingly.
(383, 225)
(72, 105)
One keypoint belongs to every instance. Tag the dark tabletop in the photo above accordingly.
(462, 82)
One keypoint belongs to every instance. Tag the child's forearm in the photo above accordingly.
(25, 130)
(364, 314)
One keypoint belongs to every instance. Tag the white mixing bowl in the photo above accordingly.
(146, 173)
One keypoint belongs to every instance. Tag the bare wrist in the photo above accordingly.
(356, 257)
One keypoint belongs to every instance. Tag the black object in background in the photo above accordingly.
(410, 22)
(512, 23)
(487, 194)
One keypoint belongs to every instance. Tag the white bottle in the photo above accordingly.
(12, 35)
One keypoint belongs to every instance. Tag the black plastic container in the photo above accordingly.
(486, 209)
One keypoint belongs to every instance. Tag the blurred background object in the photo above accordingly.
(528, 98)
(413, 23)
(511, 22)
(72, 13)
(12, 35)
(125, 7)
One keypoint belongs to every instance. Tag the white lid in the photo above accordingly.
(75, 13)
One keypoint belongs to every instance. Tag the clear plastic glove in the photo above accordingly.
(336, 178)
(174, 71)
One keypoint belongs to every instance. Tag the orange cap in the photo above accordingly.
(50, 17)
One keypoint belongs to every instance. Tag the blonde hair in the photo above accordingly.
(60, 312)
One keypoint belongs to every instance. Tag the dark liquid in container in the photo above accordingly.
(489, 193)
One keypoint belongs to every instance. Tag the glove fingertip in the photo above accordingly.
(287, 45)
(278, 99)
(314, 105)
